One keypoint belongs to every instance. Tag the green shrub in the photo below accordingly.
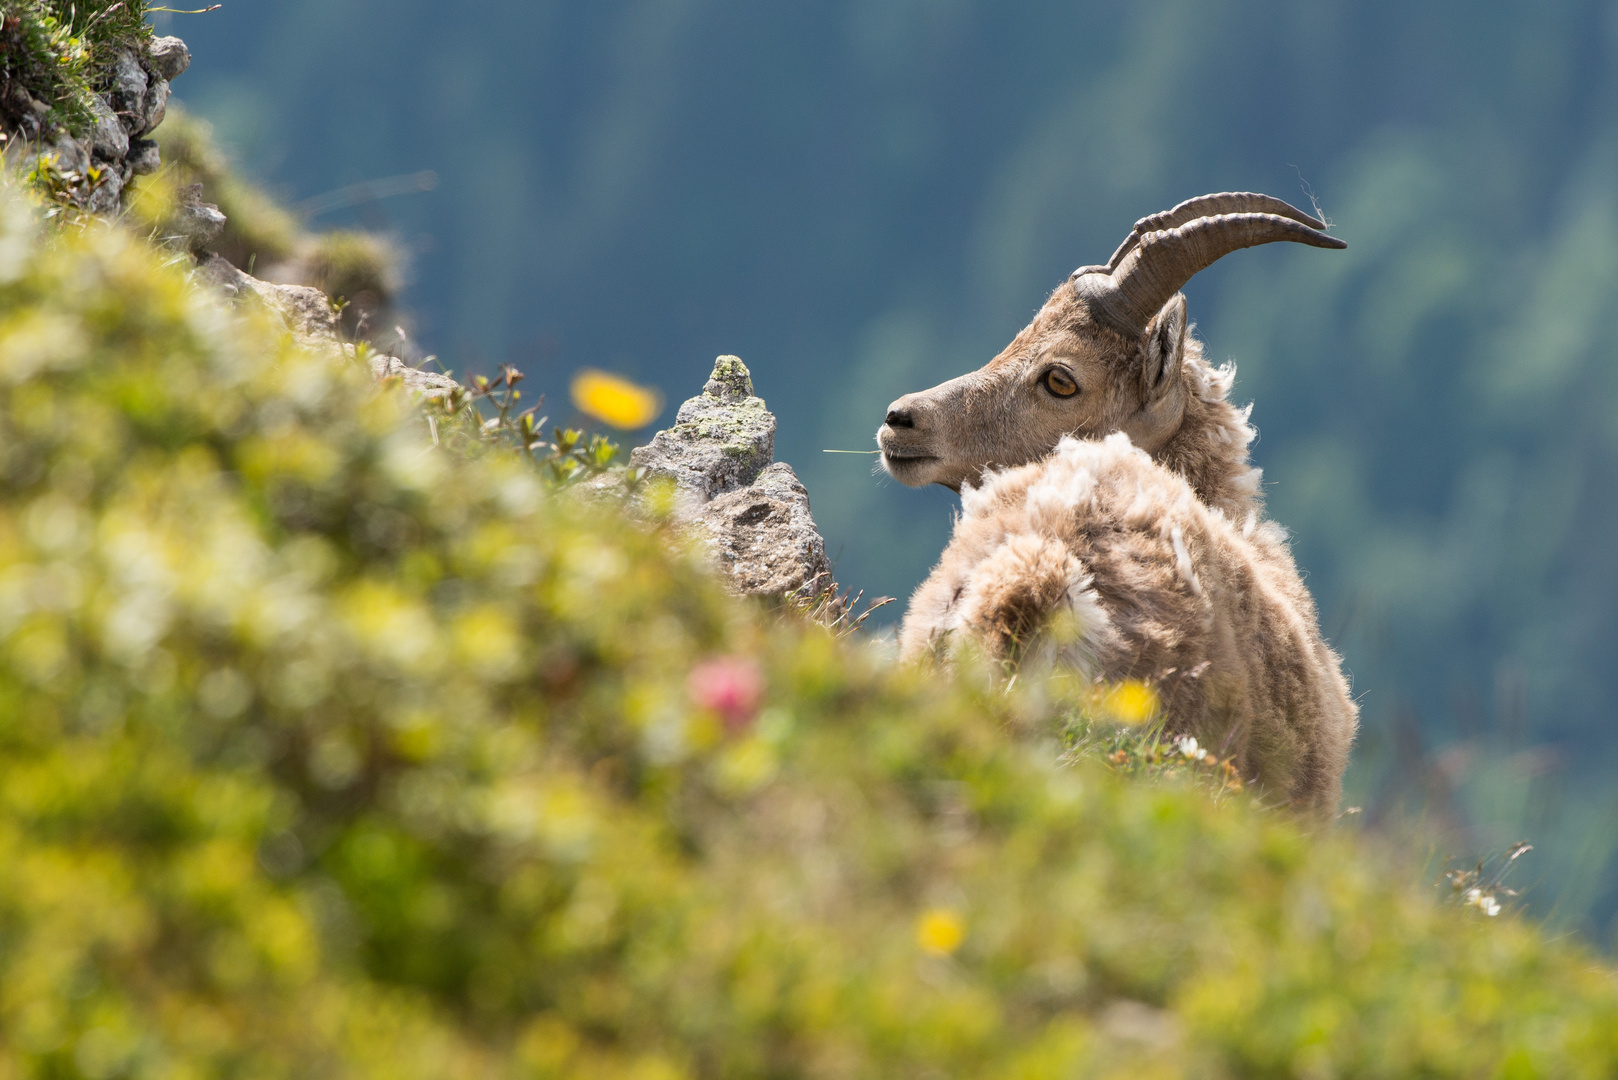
(355, 265)
(326, 753)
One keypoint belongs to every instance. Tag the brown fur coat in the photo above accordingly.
(1181, 587)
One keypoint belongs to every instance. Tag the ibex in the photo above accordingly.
(1113, 484)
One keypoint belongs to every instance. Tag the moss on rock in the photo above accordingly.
(721, 439)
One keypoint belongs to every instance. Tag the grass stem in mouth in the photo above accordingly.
(851, 451)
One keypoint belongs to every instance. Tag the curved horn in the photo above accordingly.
(1163, 261)
(1225, 202)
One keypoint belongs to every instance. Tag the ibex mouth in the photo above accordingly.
(910, 465)
(911, 470)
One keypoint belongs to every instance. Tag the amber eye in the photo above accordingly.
(1060, 383)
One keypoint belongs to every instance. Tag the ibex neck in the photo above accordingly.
(1210, 449)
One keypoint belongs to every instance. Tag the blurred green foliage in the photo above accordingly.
(358, 266)
(324, 751)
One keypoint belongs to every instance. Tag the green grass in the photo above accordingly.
(324, 751)
(62, 52)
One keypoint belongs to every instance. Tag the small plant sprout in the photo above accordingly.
(1483, 886)
(566, 457)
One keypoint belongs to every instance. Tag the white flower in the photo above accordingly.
(1188, 746)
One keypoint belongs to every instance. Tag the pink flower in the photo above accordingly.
(731, 686)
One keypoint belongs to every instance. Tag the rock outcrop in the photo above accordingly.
(307, 312)
(97, 164)
(765, 540)
(311, 315)
(93, 170)
(720, 441)
(752, 514)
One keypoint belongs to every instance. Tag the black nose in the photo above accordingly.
(901, 418)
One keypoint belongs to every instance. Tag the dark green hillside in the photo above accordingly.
(324, 752)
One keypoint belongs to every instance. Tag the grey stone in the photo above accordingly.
(19, 101)
(107, 196)
(195, 222)
(108, 136)
(144, 158)
(764, 539)
(307, 312)
(719, 441)
(72, 156)
(431, 383)
(129, 85)
(156, 107)
(169, 57)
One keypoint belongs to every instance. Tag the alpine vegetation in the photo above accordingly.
(343, 736)
(1116, 525)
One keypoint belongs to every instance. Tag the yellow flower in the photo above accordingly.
(940, 931)
(1129, 702)
(615, 401)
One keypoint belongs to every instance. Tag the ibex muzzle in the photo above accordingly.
(1104, 354)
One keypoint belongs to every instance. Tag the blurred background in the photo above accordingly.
(863, 198)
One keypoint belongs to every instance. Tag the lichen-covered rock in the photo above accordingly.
(764, 538)
(720, 441)
(730, 382)
(754, 516)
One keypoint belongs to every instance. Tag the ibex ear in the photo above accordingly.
(1165, 349)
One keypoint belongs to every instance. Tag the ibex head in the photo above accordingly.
(1106, 353)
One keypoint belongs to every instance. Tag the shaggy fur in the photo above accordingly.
(1145, 526)
(1163, 587)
